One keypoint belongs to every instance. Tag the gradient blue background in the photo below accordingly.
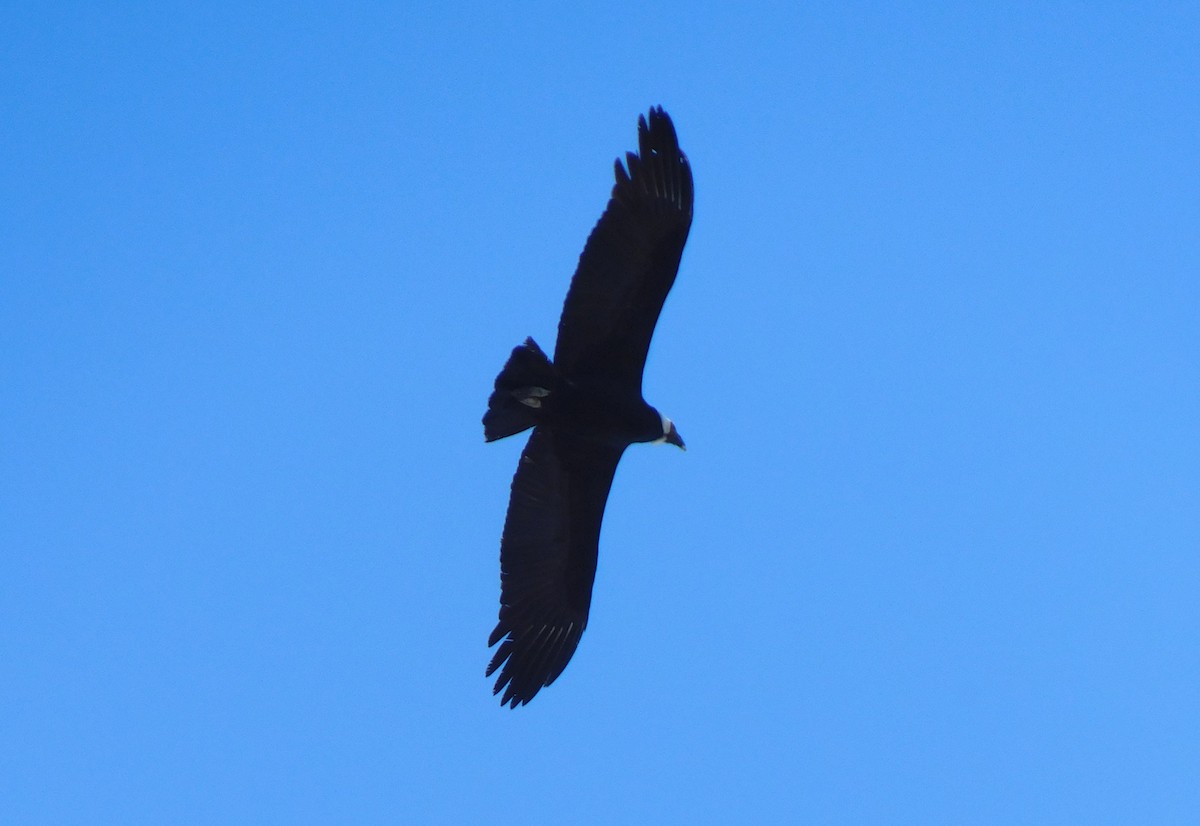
(933, 554)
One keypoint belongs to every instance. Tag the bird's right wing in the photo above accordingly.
(548, 559)
(629, 262)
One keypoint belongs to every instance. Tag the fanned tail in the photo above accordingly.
(515, 405)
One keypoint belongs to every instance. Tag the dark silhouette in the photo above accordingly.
(585, 408)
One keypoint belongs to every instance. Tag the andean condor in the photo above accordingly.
(585, 408)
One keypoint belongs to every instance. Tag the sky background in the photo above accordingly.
(932, 555)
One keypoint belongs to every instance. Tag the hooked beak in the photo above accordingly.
(672, 438)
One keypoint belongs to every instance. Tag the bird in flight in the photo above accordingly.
(585, 408)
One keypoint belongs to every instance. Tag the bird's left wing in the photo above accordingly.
(548, 559)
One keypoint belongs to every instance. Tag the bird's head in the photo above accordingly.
(669, 435)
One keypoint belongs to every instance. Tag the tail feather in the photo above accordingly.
(515, 404)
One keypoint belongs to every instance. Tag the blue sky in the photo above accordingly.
(931, 556)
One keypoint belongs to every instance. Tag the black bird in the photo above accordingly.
(585, 408)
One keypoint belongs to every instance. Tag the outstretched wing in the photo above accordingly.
(548, 559)
(629, 262)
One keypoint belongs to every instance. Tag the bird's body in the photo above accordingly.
(585, 407)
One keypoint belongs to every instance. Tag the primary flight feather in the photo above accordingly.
(585, 408)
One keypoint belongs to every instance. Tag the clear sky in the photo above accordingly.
(932, 555)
